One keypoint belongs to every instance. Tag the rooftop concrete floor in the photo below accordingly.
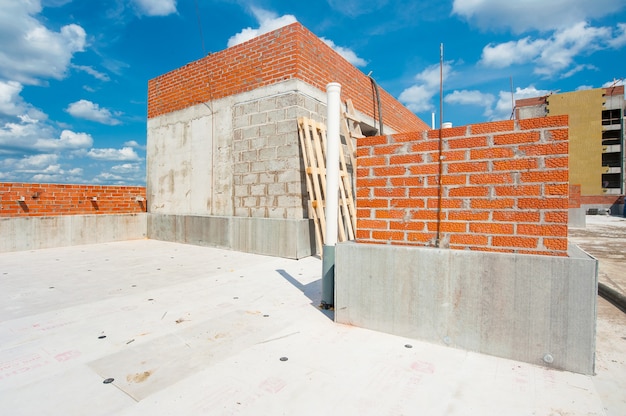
(188, 330)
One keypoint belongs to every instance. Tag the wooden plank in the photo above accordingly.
(313, 143)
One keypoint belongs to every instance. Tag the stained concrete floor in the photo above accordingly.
(187, 330)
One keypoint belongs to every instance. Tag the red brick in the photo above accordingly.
(493, 127)
(542, 230)
(516, 138)
(491, 228)
(469, 239)
(543, 122)
(492, 153)
(465, 167)
(468, 191)
(522, 242)
(467, 142)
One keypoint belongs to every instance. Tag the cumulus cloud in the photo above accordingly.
(29, 51)
(13, 105)
(91, 111)
(123, 154)
(472, 98)
(38, 168)
(268, 21)
(554, 55)
(134, 144)
(503, 107)
(155, 7)
(125, 168)
(418, 97)
(523, 15)
(347, 53)
(67, 141)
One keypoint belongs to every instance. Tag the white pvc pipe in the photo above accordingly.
(333, 94)
(432, 121)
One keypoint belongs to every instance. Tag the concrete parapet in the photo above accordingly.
(576, 218)
(289, 238)
(531, 308)
(32, 233)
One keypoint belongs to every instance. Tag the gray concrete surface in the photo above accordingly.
(31, 233)
(605, 238)
(190, 330)
(537, 309)
(289, 238)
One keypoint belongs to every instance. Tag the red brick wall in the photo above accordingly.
(291, 52)
(42, 199)
(601, 199)
(504, 187)
(574, 196)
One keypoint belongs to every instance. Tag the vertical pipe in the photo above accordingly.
(432, 121)
(333, 94)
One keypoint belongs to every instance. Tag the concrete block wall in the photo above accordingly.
(42, 199)
(504, 187)
(268, 174)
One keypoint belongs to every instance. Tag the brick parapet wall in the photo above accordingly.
(601, 199)
(504, 187)
(35, 199)
(291, 52)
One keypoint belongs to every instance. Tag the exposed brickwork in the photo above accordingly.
(601, 199)
(504, 187)
(286, 53)
(574, 196)
(41, 199)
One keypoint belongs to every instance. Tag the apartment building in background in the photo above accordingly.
(596, 146)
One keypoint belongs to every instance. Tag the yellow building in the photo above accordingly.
(596, 140)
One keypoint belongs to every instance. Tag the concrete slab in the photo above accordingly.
(185, 329)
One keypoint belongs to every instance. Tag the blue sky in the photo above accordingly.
(74, 73)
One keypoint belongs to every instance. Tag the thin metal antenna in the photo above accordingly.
(200, 28)
(512, 101)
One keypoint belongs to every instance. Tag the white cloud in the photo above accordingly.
(553, 55)
(619, 39)
(155, 7)
(123, 154)
(68, 140)
(125, 168)
(134, 144)
(473, 98)
(503, 106)
(29, 51)
(38, 168)
(513, 52)
(33, 135)
(268, 21)
(418, 97)
(94, 73)
(524, 15)
(91, 111)
(348, 54)
(584, 87)
(13, 105)
(614, 83)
